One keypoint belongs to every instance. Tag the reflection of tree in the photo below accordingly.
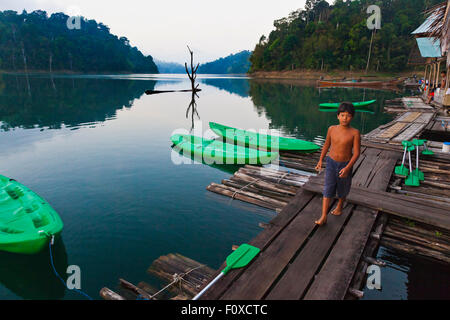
(193, 108)
(77, 100)
(192, 76)
(295, 109)
(237, 86)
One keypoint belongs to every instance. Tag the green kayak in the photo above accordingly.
(355, 104)
(217, 152)
(26, 220)
(357, 110)
(262, 141)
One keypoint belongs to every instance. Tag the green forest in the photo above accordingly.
(234, 63)
(326, 36)
(35, 41)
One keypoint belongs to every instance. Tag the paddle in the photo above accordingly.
(238, 259)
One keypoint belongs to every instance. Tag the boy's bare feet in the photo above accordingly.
(321, 221)
(337, 212)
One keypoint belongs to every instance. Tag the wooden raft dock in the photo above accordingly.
(300, 260)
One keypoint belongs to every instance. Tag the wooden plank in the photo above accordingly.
(371, 157)
(413, 130)
(408, 117)
(400, 206)
(393, 130)
(262, 241)
(424, 118)
(264, 270)
(333, 280)
(331, 283)
(295, 281)
(195, 274)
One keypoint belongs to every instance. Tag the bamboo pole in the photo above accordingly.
(219, 190)
(437, 74)
(108, 294)
(370, 51)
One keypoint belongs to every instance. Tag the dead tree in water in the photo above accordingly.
(192, 76)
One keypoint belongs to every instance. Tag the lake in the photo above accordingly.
(98, 150)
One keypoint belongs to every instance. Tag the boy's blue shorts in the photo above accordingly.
(332, 181)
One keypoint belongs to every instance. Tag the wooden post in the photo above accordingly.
(434, 75)
(370, 50)
(437, 73)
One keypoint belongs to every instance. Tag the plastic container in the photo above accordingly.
(446, 147)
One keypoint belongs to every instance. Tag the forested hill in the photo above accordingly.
(234, 63)
(335, 36)
(47, 43)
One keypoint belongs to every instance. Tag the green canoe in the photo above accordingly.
(357, 110)
(355, 104)
(262, 141)
(217, 152)
(26, 220)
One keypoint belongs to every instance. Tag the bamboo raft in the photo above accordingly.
(183, 276)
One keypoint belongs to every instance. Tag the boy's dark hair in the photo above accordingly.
(346, 107)
(443, 72)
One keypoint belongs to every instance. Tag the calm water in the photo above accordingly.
(97, 149)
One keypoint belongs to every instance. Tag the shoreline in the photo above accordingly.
(312, 75)
(298, 74)
(68, 72)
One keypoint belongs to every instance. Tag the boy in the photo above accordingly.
(343, 139)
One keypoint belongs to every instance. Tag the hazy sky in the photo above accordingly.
(211, 28)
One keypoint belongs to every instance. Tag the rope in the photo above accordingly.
(177, 278)
(50, 244)
(283, 176)
(247, 185)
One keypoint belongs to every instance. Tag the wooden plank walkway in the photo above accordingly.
(429, 212)
(404, 127)
(300, 260)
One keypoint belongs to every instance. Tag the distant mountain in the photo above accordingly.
(169, 67)
(35, 41)
(234, 63)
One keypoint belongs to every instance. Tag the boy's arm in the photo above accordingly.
(356, 152)
(325, 148)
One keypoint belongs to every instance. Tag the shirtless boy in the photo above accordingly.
(345, 143)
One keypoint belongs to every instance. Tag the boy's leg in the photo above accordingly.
(325, 206)
(338, 210)
(329, 190)
(343, 189)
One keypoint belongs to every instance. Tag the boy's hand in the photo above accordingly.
(319, 166)
(344, 172)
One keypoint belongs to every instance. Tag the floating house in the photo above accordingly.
(433, 40)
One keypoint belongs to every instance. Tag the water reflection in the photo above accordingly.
(295, 109)
(239, 86)
(410, 277)
(64, 101)
(31, 276)
(192, 109)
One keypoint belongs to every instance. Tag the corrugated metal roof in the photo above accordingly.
(425, 27)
